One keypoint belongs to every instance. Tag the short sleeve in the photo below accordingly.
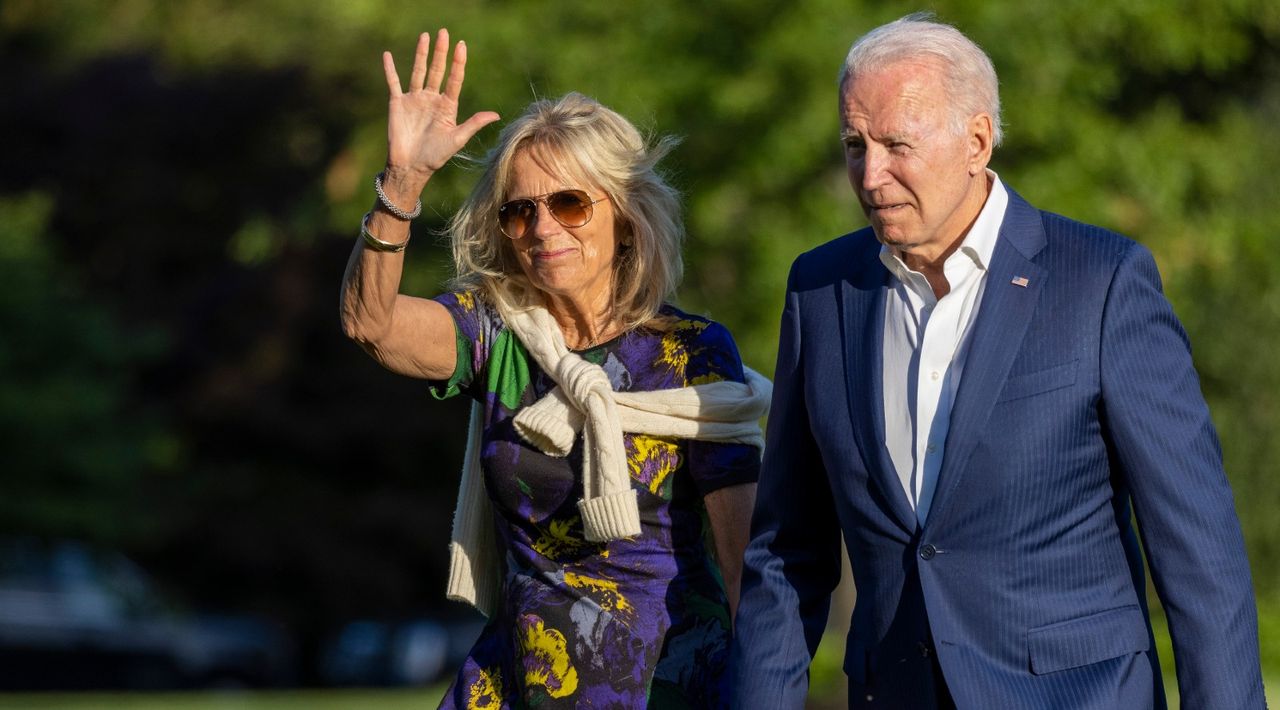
(474, 325)
(713, 357)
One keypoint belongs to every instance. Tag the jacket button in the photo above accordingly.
(927, 552)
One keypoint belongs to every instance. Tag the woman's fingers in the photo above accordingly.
(428, 75)
(420, 63)
(457, 71)
(436, 73)
(389, 69)
(472, 125)
(421, 127)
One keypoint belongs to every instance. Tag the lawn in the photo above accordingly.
(827, 686)
(414, 699)
(418, 699)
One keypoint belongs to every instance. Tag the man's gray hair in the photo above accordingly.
(968, 74)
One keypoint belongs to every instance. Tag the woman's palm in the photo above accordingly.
(423, 132)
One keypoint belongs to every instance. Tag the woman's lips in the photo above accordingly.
(552, 254)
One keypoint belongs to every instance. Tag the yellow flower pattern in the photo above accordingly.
(603, 591)
(562, 539)
(652, 460)
(546, 658)
(675, 351)
(485, 693)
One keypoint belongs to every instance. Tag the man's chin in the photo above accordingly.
(891, 240)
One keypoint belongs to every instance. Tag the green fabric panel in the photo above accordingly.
(508, 370)
(461, 369)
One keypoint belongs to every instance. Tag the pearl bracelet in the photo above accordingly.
(386, 203)
(377, 244)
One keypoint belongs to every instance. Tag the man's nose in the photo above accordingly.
(874, 168)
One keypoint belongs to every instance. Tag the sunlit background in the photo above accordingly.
(205, 487)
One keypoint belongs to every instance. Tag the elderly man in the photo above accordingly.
(1016, 389)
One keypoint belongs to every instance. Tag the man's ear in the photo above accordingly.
(981, 135)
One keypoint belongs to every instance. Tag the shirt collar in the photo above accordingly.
(978, 245)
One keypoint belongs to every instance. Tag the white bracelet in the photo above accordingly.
(377, 244)
(382, 197)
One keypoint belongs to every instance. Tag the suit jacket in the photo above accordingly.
(1078, 410)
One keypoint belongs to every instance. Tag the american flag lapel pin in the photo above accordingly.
(1021, 281)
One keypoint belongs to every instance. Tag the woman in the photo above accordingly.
(589, 553)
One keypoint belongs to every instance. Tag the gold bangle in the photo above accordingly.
(377, 244)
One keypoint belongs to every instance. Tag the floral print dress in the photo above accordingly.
(631, 623)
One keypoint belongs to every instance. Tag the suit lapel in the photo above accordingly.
(862, 304)
(1008, 302)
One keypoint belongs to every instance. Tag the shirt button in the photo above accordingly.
(927, 552)
(931, 448)
(934, 375)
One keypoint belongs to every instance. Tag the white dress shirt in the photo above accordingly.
(926, 341)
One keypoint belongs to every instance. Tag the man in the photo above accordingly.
(1015, 386)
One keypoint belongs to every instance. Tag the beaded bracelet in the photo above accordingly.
(382, 197)
(377, 244)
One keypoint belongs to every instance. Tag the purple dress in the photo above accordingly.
(633, 623)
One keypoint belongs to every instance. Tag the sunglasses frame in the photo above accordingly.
(589, 206)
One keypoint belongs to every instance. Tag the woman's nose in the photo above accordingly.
(544, 225)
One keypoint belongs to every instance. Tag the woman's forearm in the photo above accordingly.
(372, 279)
(729, 510)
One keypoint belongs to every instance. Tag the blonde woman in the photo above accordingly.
(614, 450)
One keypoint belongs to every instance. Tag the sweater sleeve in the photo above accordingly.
(713, 357)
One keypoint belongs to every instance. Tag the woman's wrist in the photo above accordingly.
(404, 185)
(389, 202)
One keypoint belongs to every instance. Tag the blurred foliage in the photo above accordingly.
(182, 182)
(76, 446)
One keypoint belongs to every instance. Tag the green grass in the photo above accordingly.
(827, 685)
(413, 699)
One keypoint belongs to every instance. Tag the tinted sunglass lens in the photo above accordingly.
(515, 217)
(572, 208)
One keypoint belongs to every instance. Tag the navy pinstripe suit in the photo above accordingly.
(1078, 407)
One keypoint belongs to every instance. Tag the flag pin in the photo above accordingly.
(1021, 281)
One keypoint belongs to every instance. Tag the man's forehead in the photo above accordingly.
(905, 62)
(899, 76)
(893, 99)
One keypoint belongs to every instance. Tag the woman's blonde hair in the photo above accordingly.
(577, 138)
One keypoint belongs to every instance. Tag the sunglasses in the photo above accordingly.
(571, 208)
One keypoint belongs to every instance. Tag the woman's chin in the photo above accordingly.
(563, 288)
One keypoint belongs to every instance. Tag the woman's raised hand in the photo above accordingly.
(423, 132)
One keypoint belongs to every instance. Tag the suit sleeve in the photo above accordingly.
(1168, 453)
(792, 562)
